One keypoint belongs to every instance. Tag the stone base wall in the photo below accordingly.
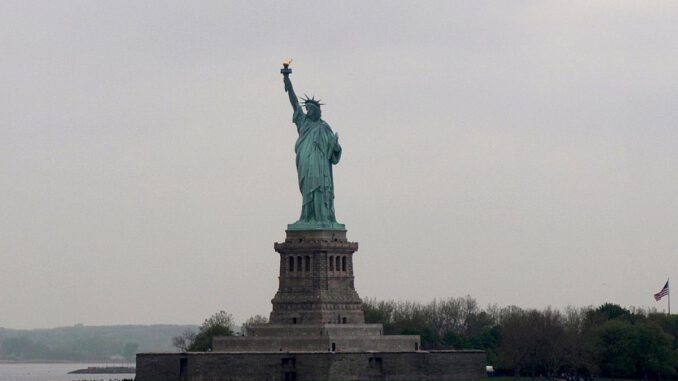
(316, 330)
(391, 343)
(270, 343)
(311, 366)
(316, 338)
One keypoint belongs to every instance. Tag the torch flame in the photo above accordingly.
(287, 62)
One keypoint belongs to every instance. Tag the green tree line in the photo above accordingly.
(607, 341)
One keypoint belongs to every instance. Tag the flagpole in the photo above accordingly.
(668, 281)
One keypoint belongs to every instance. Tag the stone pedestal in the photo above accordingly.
(316, 279)
(316, 307)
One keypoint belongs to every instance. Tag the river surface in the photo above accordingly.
(55, 372)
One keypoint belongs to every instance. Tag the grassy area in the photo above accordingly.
(492, 379)
(523, 378)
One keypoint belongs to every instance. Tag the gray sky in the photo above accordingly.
(521, 152)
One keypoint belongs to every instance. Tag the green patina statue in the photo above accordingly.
(317, 149)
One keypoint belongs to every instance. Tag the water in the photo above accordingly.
(55, 372)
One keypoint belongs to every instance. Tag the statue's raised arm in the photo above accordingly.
(286, 71)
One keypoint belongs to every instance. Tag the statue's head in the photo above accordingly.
(312, 107)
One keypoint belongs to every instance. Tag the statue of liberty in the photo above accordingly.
(317, 149)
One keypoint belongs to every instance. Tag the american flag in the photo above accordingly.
(663, 292)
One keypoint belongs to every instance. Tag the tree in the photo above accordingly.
(184, 340)
(609, 311)
(653, 351)
(251, 322)
(552, 343)
(515, 349)
(578, 359)
(668, 323)
(634, 350)
(378, 312)
(533, 342)
(451, 315)
(615, 348)
(219, 324)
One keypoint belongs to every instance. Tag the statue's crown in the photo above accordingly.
(311, 101)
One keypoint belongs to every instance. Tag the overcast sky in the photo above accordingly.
(522, 152)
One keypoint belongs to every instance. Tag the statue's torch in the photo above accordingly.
(286, 71)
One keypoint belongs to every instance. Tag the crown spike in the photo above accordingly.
(311, 100)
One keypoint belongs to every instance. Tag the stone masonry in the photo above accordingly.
(316, 279)
(316, 307)
(311, 366)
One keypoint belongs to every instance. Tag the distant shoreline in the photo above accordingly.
(105, 370)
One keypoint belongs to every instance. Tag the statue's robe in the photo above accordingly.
(317, 150)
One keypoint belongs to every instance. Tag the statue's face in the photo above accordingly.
(313, 112)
